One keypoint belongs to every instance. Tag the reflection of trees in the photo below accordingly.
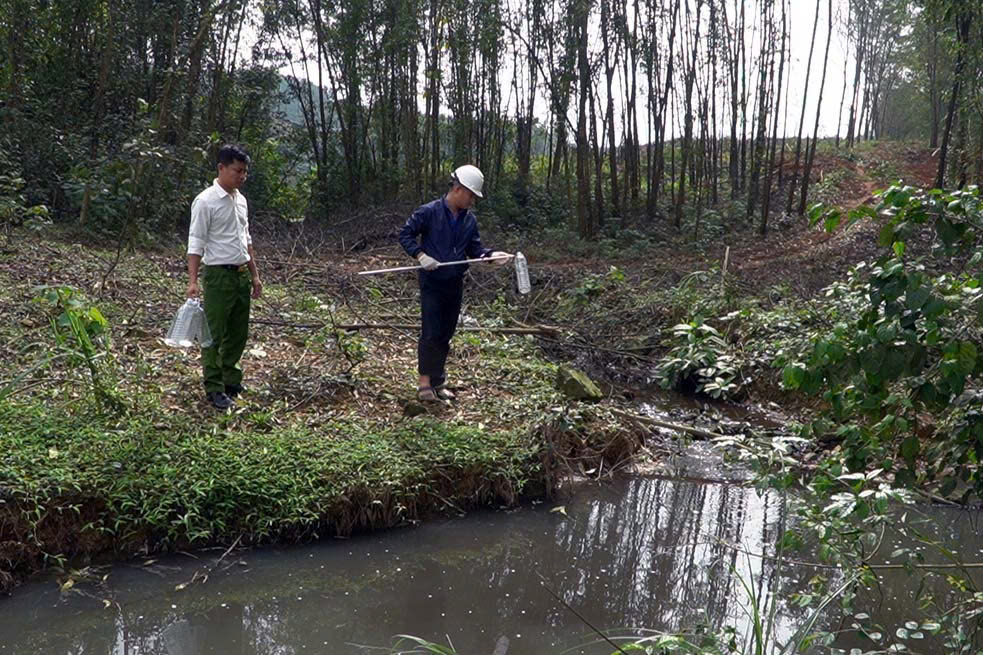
(646, 553)
(657, 557)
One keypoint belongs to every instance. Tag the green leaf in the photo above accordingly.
(910, 448)
(933, 308)
(898, 247)
(886, 236)
(894, 363)
(794, 375)
(947, 232)
(916, 298)
(966, 357)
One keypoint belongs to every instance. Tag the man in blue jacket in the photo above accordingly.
(447, 231)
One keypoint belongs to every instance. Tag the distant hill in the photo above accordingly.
(289, 106)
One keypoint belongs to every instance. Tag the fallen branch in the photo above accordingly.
(540, 329)
(589, 347)
(697, 432)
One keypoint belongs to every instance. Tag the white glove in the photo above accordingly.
(505, 257)
(427, 262)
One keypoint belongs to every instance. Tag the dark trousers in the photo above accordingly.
(227, 310)
(440, 305)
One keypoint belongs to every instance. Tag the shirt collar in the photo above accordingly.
(447, 208)
(222, 192)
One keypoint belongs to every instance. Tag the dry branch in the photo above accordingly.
(539, 329)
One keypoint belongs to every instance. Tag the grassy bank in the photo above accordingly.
(84, 486)
(112, 453)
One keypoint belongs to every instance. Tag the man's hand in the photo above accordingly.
(257, 287)
(193, 289)
(506, 257)
(427, 262)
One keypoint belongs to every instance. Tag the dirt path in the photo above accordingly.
(809, 258)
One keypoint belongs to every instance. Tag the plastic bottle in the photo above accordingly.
(522, 273)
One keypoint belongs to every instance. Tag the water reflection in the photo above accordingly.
(643, 553)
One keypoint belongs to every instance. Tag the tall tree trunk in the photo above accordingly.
(802, 113)
(690, 72)
(733, 66)
(839, 115)
(766, 191)
(863, 20)
(667, 88)
(524, 124)
(963, 23)
(933, 85)
(585, 223)
(409, 110)
(609, 68)
(767, 45)
(811, 151)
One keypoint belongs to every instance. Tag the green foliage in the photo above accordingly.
(693, 297)
(910, 352)
(82, 333)
(702, 361)
(15, 209)
(594, 284)
(130, 192)
(164, 481)
(530, 209)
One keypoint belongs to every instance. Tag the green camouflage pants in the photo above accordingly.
(227, 311)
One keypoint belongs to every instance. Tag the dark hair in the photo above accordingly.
(230, 153)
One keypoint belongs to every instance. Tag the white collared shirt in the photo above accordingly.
(219, 227)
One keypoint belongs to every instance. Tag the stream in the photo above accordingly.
(637, 554)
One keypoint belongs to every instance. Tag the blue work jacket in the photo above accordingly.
(444, 237)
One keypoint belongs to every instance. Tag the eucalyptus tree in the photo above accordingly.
(962, 16)
(651, 40)
(528, 22)
(586, 222)
(811, 150)
(689, 73)
(285, 25)
(631, 38)
(765, 62)
(777, 93)
(611, 52)
(802, 114)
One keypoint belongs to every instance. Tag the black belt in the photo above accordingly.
(231, 267)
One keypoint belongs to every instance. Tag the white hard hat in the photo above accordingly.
(469, 176)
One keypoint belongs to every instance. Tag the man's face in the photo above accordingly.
(464, 198)
(232, 176)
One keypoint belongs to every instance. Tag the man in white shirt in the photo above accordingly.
(219, 241)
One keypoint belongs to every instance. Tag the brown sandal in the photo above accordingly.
(426, 395)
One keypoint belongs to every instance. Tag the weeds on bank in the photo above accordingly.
(151, 483)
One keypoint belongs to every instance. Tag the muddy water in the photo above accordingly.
(642, 553)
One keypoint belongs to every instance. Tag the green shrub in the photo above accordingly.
(701, 360)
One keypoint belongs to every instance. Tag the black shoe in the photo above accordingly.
(233, 390)
(219, 399)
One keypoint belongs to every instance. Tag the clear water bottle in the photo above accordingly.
(522, 273)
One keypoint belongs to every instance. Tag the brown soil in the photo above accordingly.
(809, 258)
